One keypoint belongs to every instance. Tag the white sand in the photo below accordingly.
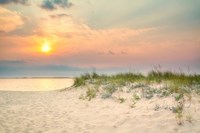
(64, 112)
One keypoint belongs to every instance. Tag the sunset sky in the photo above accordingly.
(105, 34)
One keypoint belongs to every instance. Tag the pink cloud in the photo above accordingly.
(75, 43)
(9, 20)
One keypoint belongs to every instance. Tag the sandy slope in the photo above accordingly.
(63, 112)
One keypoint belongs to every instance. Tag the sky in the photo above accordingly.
(106, 35)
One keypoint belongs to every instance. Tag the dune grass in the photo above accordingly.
(177, 85)
(174, 83)
(122, 79)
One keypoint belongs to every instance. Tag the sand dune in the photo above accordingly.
(64, 112)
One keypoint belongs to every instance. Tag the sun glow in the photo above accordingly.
(46, 48)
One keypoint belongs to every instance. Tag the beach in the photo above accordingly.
(99, 66)
(62, 111)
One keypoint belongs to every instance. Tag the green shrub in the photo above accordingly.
(136, 97)
(106, 95)
(79, 82)
(178, 96)
(90, 93)
(94, 76)
(121, 100)
(110, 88)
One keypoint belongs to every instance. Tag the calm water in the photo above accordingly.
(39, 84)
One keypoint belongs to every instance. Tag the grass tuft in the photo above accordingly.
(178, 85)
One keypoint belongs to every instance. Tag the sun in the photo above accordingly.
(46, 48)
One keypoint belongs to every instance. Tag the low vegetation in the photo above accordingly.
(178, 79)
(90, 93)
(155, 84)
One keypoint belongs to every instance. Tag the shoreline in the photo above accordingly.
(37, 77)
(36, 84)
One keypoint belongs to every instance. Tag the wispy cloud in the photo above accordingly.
(140, 13)
(12, 62)
(24, 2)
(9, 20)
(110, 52)
(54, 4)
(59, 15)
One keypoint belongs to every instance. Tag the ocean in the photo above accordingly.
(34, 84)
